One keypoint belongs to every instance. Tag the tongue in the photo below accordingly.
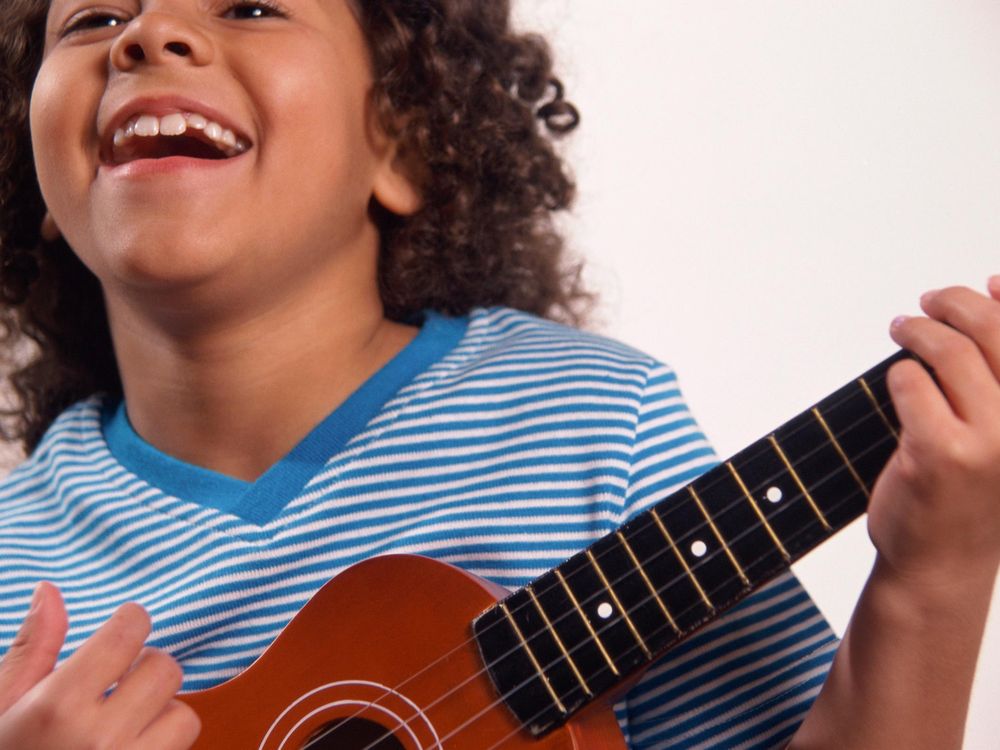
(160, 147)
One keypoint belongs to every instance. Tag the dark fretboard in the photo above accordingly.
(585, 626)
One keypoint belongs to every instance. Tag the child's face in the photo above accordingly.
(291, 81)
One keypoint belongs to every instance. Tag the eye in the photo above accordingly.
(251, 9)
(90, 20)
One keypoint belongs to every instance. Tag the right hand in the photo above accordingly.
(74, 707)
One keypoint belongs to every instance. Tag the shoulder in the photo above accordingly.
(509, 354)
(514, 378)
(71, 442)
(501, 335)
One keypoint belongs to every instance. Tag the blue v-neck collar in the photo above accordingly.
(261, 501)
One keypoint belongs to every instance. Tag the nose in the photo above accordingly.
(158, 38)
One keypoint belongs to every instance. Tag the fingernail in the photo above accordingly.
(36, 601)
(898, 321)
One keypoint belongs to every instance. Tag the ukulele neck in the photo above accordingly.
(587, 625)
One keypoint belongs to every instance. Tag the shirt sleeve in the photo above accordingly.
(747, 679)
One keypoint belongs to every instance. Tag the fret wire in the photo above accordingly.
(562, 647)
(651, 512)
(586, 621)
(503, 697)
(531, 655)
(655, 517)
(628, 620)
(662, 529)
(800, 483)
(745, 532)
(840, 450)
(871, 397)
(877, 377)
(718, 535)
(758, 511)
(649, 583)
(800, 531)
(680, 557)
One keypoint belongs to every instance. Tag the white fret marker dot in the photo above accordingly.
(699, 548)
(604, 610)
(774, 494)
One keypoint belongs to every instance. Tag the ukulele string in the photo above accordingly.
(666, 513)
(875, 382)
(702, 527)
(503, 698)
(662, 589)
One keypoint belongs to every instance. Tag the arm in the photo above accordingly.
(902, 675)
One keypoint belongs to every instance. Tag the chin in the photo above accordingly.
(158, 263)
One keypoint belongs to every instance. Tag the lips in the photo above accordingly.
(162, 127)
(177, 134)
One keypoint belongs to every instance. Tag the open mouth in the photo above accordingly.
(178, 134)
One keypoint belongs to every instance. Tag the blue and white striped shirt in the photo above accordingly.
(499, 443)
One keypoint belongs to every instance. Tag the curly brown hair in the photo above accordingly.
(481, 109)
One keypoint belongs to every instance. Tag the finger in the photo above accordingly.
(962, 372)
(175, 728)
(33, 654)
(104, 657)
(994, 286)
(972, 313)
(920, 406)
(144, 691)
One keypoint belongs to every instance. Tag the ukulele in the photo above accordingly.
(402, 652)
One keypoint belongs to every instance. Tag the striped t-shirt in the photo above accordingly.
(499, 443)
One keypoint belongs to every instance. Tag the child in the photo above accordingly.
(280, 274)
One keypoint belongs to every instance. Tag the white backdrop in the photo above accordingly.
(765, 185)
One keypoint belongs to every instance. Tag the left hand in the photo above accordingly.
(934, 515)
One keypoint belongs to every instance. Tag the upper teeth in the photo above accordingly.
(177, 123)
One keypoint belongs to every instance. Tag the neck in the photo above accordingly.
(235, 393)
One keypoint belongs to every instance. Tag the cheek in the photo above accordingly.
(316, 149)
(61, 124)
(322, 100)
(46, 125)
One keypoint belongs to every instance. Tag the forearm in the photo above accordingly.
(903, 673)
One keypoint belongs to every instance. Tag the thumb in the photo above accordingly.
(32, 655)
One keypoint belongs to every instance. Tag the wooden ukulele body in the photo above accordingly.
(366, 651)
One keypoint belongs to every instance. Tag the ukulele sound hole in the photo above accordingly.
(352, 734)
